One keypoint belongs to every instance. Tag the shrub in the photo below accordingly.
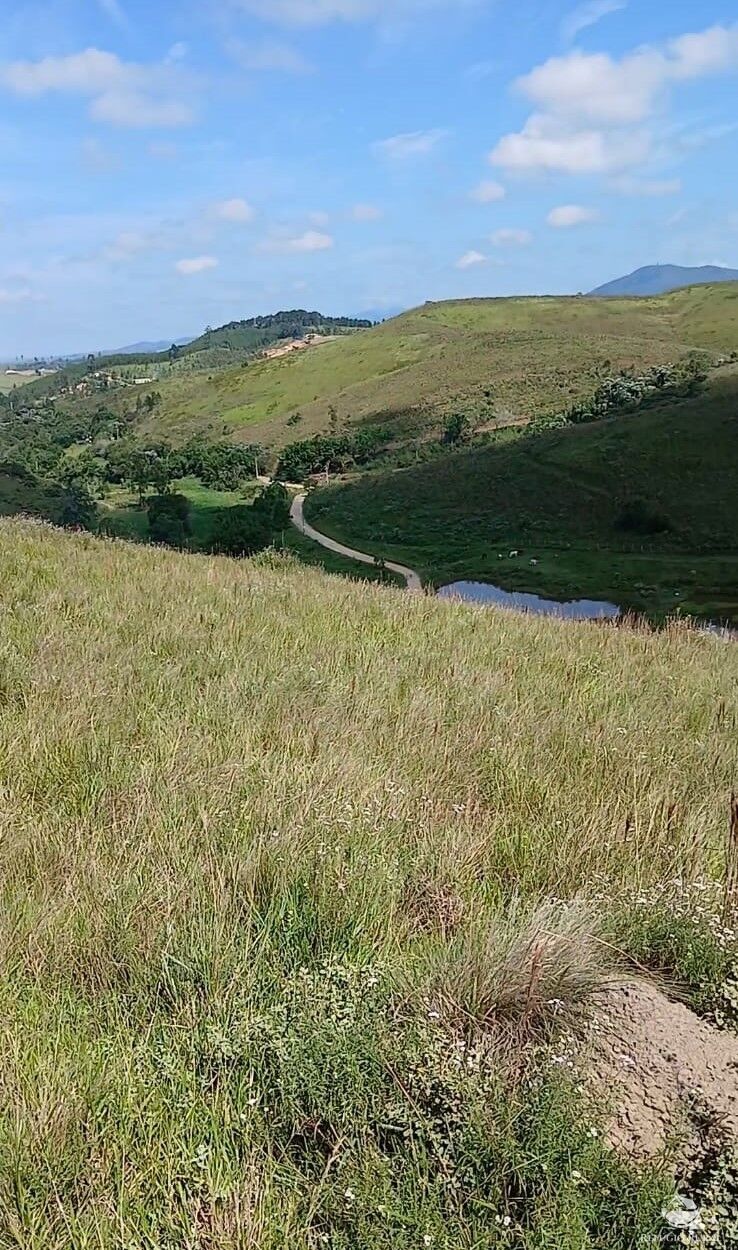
(637, 516)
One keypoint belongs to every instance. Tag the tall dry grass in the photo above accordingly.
(215, 774)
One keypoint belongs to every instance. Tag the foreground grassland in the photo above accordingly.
(557, 499)
(504, 358)
(265, 837)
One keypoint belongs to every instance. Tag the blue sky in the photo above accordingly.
(166, 164)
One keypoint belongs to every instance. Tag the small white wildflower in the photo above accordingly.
(506, 1221)
(427, 1240)
(593, 1132)
(349, 1195)
(434, 1015)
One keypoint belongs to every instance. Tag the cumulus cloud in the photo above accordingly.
(196, 264)
(366, 212)
(587, 15)
(122, 93)
(511, 237)
(310, 241)
(234, 210)
(487, 192)
(591, 109)
(470, 259)
(567, 215)
(414, 143)
(543, 144)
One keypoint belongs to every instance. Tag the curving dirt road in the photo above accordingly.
(298, 520)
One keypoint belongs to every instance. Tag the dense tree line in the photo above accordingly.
(330, 453)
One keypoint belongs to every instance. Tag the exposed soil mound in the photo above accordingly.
(671, 1078)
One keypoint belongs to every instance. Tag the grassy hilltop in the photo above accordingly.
(638, 508)
(261, 831)
(504, 358)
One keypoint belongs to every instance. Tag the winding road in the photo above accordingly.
(297, 515)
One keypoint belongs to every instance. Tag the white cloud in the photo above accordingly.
(511, 237)
(414, 143)
(22, 295)
(177, 52)
(543, 144)
(567, 215)
(127, 244)
(113, 10)
(137, 111)
(322, 12)
(366, 212)
(487, 192)
(628, 185)
(196, 264)
(587, 15)
(234, 210)
(310, 241)
(268, 56)
(591, 108)
(121, 93)
(470, 259)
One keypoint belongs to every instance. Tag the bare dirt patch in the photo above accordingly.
(670, 1077)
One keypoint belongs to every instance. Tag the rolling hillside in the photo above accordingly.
(500, 358)
(297, 876)
(565, 500)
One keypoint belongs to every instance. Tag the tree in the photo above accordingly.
(173, 353)
(239, 531)
(169, 520)
(273, 505)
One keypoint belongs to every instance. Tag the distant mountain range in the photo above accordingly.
(657, 279)
(146, 349)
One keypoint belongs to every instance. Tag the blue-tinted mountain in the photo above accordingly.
(657, 279)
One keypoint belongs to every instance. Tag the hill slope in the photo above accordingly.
(272, 848)
(562, 498)
(499, 358)
(658, 279)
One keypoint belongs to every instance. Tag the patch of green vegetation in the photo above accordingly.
(638, 509)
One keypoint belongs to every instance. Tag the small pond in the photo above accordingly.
(576, 610)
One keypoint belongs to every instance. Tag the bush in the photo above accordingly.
(169, 520)
(456, 430)
(637, 516)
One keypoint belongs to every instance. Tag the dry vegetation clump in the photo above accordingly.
(244, 803)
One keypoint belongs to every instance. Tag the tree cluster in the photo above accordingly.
(330, 453)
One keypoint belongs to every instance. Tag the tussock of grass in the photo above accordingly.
(224, 786)
(525, 973)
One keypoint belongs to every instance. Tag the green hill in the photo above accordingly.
(258, 332)
(302, 883)
(501, 358)
(639, 509)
